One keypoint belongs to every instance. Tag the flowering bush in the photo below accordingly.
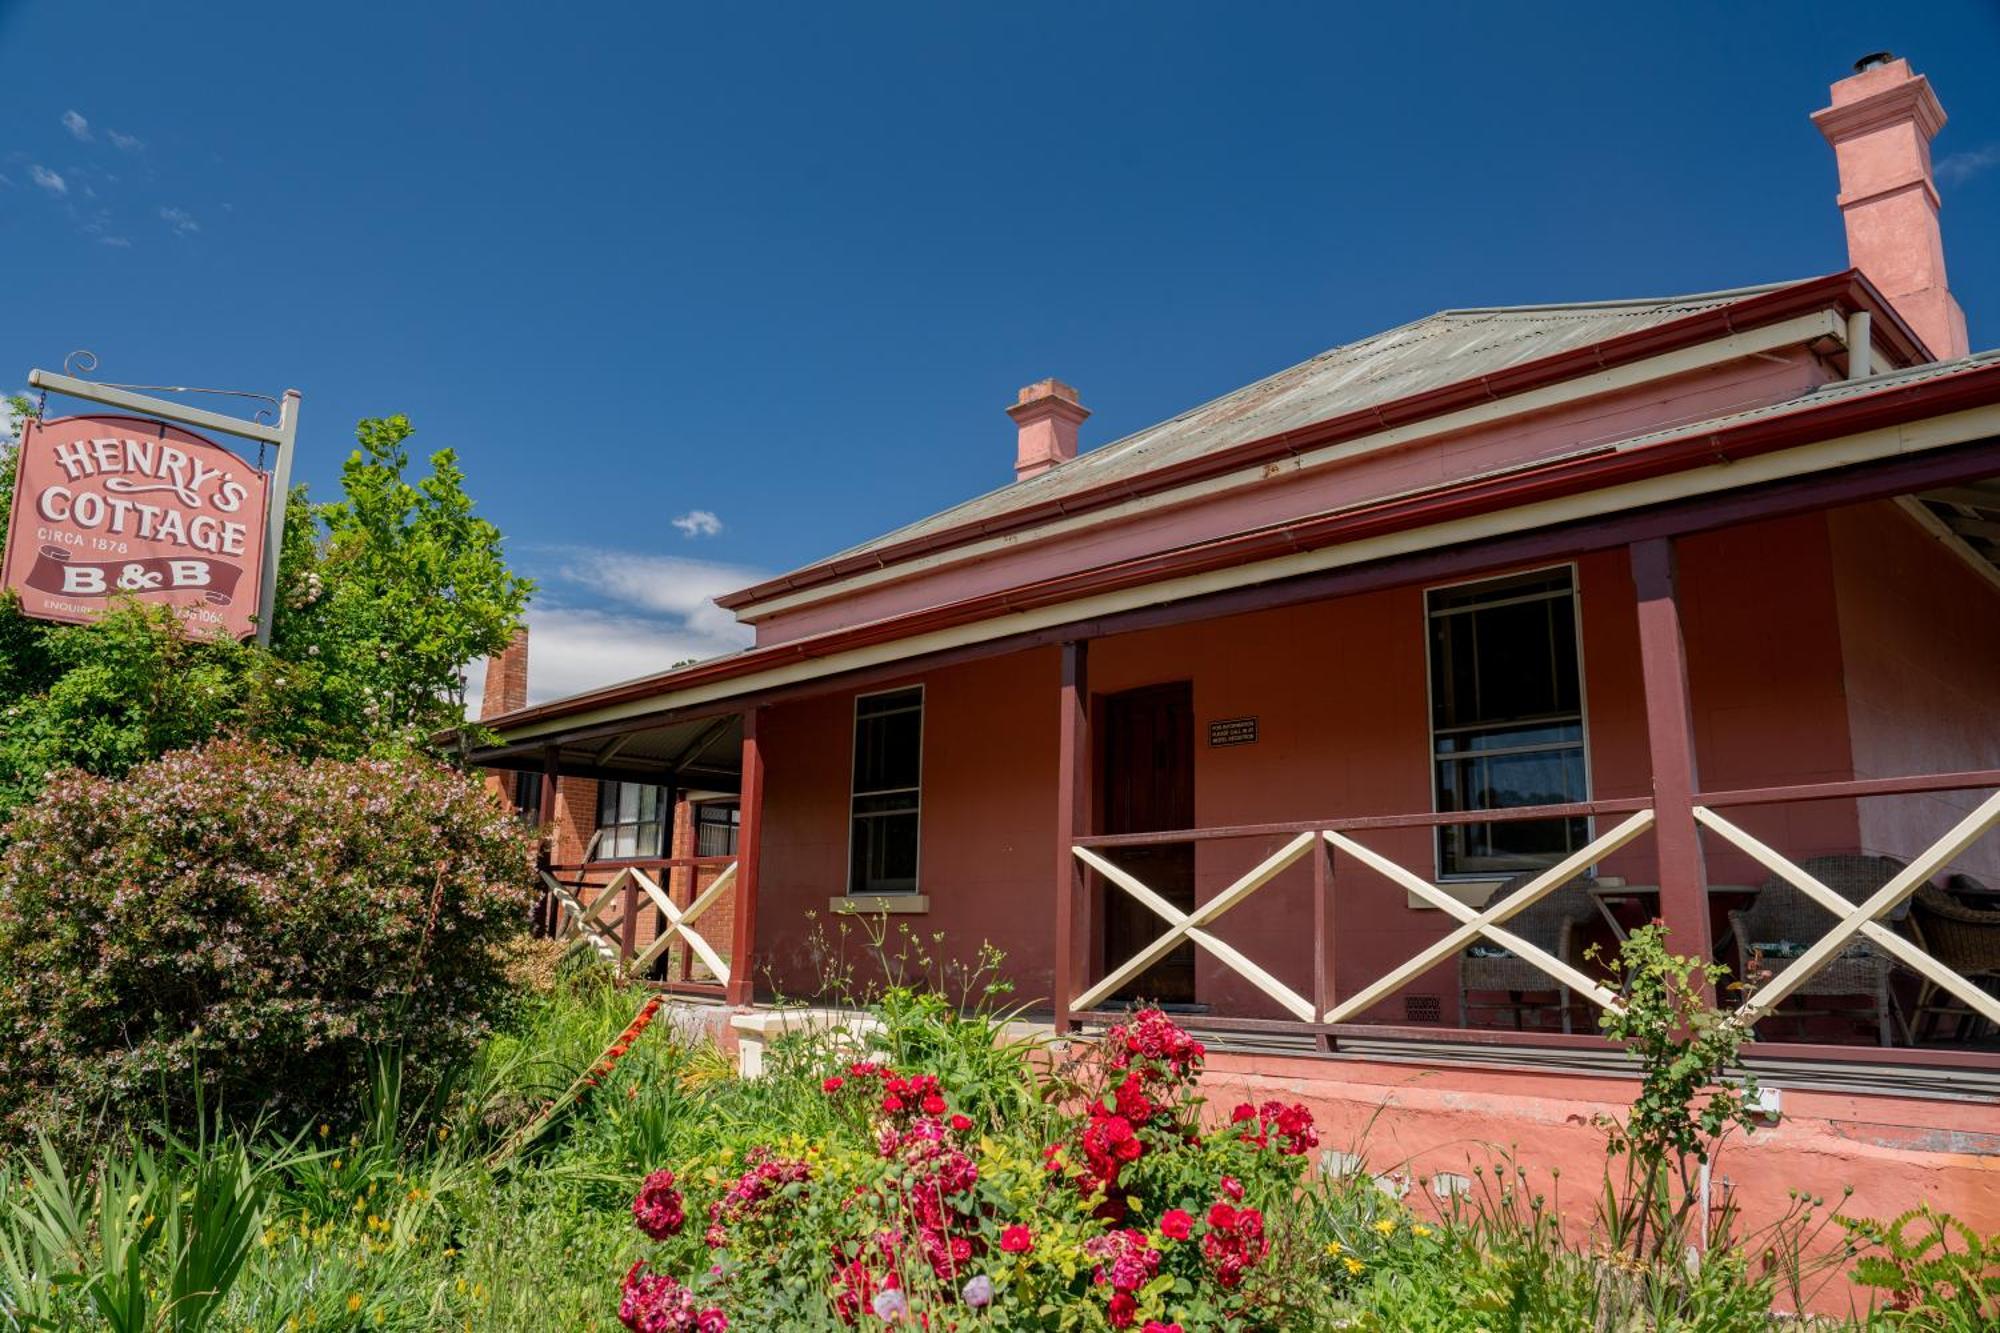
(1116, 1210)
(251, 921)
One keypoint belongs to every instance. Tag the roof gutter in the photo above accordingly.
(1849, 292)
(1575, 474)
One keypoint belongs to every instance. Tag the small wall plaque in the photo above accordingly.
(1233, 731)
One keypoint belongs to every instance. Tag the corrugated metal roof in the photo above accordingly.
(1449, 347)
(771, 656)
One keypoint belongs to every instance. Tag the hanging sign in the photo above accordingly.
(111, 506)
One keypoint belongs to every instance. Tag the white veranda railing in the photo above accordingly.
(598, 927)
(1192, 926)
(1863, 918)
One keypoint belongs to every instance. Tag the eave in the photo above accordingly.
(1670, 461)
(1843, 293)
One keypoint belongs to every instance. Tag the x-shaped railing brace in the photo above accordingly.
(680, 921)
(1861, 918)
(584, 920)
(1189, 925)
(1487, 923)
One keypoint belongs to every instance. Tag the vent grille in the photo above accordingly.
(1423, 1009)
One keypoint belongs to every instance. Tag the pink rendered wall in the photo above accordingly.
(1339, 690)
(987, 850)
(1920, 634)
(1286, 495)
(1423, 1120)
(1765, 682)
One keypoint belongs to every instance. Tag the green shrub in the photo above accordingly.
(235, 923)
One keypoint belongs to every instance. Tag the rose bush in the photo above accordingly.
(235, 924)
(1116, 1209)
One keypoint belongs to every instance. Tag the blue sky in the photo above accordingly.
(784, 264)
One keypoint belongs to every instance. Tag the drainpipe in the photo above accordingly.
(1860, 345)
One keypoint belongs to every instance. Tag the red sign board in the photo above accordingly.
(107, 507)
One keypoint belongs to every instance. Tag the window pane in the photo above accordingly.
(885, 854)
(887, 750)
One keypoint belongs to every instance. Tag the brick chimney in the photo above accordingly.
(506, 678)
(1881, 124)
(1048, 414)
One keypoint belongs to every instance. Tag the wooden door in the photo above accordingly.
(1148, 787)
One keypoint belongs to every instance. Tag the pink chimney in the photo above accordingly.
(1881, 124)
(506, 678)
(1048, 414)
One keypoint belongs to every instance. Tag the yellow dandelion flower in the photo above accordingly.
(1420, 1231)
(1354, 1266)
(1333, 1248)
(1387, 1226)
(354, 1303)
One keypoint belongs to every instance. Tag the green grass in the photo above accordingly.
(403, 1221)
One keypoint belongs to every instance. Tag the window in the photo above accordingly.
(888, 768)
(715, 827)
(631, 820)
(1506, 719)
(528, 797)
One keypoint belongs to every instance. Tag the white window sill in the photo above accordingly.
(880, 904)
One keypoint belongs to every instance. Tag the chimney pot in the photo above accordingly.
(1047, 414)
(1880, 121)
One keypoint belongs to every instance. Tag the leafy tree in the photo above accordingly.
(388, 593)
(384, 596)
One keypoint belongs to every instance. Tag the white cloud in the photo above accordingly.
(47, 179)
(116, 242)
(180, 220)
(124, 143)
(1958, 168)
(698, 523)
(658, 610)
(571, 649)
(76, 125)
(663, 585)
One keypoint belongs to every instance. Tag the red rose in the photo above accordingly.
(933, 1105)
(1176, 1224)
(833, 1084)
(961, 1123)
(892, 1103)
(1232, 1187)
(1016, 1239)
(1122, 1310)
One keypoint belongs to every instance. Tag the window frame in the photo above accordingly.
(853, 747)
(1439, 874)
(527, 797)
(662, 822)
(734, 825)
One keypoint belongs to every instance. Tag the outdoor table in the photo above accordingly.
(1722, 900)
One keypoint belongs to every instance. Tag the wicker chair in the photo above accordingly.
(1554, 923)
(1783, 915)
(1966, 940)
